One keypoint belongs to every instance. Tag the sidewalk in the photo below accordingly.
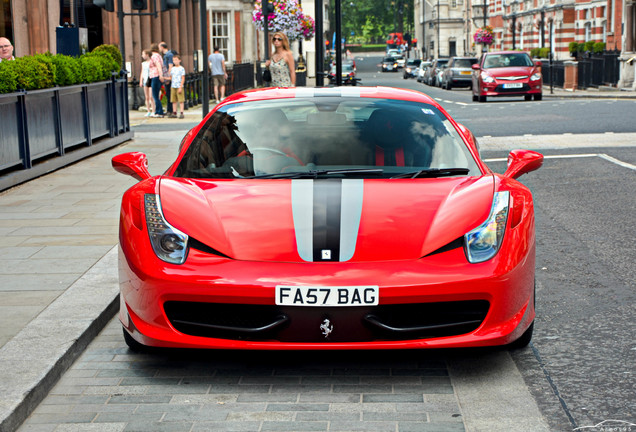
(59, 258)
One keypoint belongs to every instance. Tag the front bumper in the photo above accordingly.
(498, 89)
(212, 302)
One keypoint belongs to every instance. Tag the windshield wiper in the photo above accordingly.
(316, 173)
(433, 172)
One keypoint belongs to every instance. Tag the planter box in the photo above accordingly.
(40, 124)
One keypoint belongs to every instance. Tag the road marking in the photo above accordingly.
(574, 156)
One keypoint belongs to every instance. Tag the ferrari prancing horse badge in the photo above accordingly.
(326, 328)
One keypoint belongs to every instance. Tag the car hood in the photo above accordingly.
(510, 71)
(326, 220)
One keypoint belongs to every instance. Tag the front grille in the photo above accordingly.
(303, 324)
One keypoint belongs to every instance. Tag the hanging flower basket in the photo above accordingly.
(484, 36)
(288, 17)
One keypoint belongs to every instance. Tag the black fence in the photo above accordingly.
(42, 123)
(599, 69)
(594, 70)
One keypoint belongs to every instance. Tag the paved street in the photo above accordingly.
(60, 270)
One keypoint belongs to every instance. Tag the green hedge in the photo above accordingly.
(43, 71)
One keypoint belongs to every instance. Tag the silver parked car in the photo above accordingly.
(458, 72)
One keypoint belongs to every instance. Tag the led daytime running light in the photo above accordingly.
(169, 244)
(483, 243)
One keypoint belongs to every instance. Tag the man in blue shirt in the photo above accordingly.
(168, 63)
(219, 73)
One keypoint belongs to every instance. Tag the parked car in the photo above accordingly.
(507, 73)
(421, 70)
(411, 68)
(433, 71)
(389, 64)
(458, 73)
(296, 235)
(348, 74)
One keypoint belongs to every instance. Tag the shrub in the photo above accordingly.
(97, 66)
(599, 47)
(112, 51)
(544, 52)
(534, 52)
(34, 74)
(573, 47)
(589, 46)
(8, 76)
(67, 70)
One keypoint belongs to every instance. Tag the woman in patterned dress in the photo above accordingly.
(282, 65)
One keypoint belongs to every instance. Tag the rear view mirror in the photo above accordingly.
(475, 66)
(521, 162)
(134, 164)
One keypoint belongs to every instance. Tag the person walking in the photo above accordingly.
(177, 94)
(6, 49)
(282, 65)
(155, 72)
(219, 73)
(144, 81)
(168, 56)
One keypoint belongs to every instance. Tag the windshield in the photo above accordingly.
(464, 63)
(507, 60)
(330, 136)
(389, 59)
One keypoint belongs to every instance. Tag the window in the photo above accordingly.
(6, 22)
(220, 33)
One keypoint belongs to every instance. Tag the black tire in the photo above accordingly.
(538, 97)
(132, 343)
(475, 98)
(482, 98)
(449, 86)
(527, 97)
(524, 340)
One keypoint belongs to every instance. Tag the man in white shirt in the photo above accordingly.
(6, 49)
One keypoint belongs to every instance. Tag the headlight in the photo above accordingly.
(170, 244)
(487, 78)
(483, 242)
(535, 77)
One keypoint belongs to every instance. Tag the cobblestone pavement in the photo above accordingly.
(110, 388)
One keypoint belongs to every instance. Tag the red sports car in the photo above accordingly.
(327, 218)
(507, 73)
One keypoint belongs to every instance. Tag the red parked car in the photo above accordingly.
(507, 73)
(327, 219)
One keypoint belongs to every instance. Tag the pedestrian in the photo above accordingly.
(168, 62)
(155, 72)
(282, 65)
(144, 81)
(177, 94)
(6, 49)
(219, 73)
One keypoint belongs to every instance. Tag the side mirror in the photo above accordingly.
(537, 63)
(521, 162)
(134, 164)
(475, 66)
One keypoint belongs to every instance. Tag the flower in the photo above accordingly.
(484, 35)
(287, 17)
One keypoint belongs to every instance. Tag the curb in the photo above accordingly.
(34, 360)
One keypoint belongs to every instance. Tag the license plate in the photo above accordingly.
(327, 296)
(465, 72)
(513, 85)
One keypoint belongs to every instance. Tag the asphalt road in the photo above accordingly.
(512, 116)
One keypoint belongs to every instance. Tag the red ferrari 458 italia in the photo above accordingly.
(327, 218)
